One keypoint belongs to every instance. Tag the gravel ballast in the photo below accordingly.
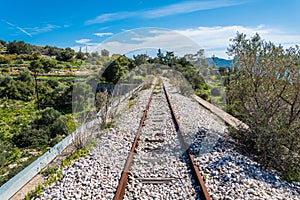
(228, 173)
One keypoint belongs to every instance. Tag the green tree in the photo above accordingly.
(170, 58)
(62, 98)
(26, 90)
(45, 92)
(53, 83)
(160, 56)
(42, 131)
(59, 126)
(48, 116)
(80, 55)
(264, 91)
(52, 51)
(37, 56)
(18, 47)
(83, 102)
(11, 90)
(2, 43)
(199, 58)
(48, 64)
(31, 137)
(66, 55)
(3, 154)
(36, 67)
(115, 70)
(139, 59)
(20, 89)
(25, 76)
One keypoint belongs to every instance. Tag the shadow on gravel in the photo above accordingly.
(224, 160)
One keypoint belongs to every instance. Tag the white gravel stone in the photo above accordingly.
(159, 156)
(228, 174)
(97, 175)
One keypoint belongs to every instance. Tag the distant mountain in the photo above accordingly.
(220, 62)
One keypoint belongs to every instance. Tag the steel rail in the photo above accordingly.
(203, 193)
(120, 192)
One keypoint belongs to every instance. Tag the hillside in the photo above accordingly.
(36, 88)
(219, 62)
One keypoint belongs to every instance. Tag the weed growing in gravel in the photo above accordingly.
(205, 176)
(109, 125)
(130, 104)
(74, 156)
(132, 97)
(48, 171)
(37, 192)
(55, 174)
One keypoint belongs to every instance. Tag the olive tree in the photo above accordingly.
(264, 90)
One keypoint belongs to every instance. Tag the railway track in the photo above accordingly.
(159, 164)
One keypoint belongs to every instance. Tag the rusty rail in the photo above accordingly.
(120, 192)
(203, 193)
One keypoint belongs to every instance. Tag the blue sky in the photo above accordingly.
(208, 23)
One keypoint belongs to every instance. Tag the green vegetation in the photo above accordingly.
(54, 174)
(13, 115)
(116, 69)
(190, 69)
(130, 103)
(74, 156)
(35, 101)
(264, 91)
(36, 87)
(47, 130)
(37, 192)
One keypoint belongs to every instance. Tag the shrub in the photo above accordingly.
(264, 92)
(42, 132)
(215, 91)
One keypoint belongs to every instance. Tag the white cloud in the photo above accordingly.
(214, 40)
(17, 27)
(24, 31)
(111, 17)
(188, 7)
(83, 41)
(44, 29)
(103, 34)
(30, 31)
(139, 39)
(173, 9)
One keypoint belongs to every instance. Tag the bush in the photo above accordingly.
(5, 70)
(4, 59)
(22, 89)
(43, 131)
(18, 47)
(30, 137)
(215, 91)
(264, 92)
